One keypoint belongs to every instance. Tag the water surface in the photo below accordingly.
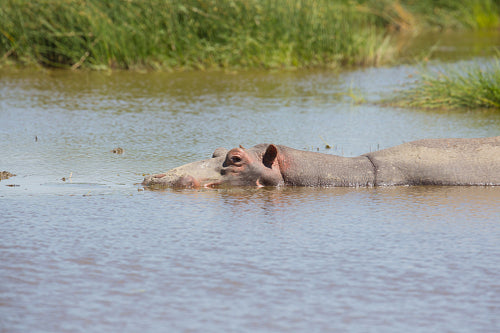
(84, 248)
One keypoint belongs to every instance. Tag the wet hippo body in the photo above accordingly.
(423, 162)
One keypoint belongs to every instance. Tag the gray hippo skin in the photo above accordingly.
(423, 162)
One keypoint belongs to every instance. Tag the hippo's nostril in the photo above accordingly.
(186, 182)
(223, 172)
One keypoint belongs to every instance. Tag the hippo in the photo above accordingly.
(423, 162)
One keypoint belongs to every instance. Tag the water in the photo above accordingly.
(410, 259)
(95, 252)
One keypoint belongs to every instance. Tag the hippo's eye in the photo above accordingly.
(235, 159)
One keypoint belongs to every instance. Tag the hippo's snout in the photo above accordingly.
(192, 175)
(168, 180)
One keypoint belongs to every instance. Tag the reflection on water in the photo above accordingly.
(452, 45)
(383, 259)
(84, 248)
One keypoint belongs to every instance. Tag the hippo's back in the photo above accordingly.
(439, 162)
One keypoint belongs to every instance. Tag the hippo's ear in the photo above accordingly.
(270, 155)
(219, 152)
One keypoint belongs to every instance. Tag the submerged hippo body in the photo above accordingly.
(423, 162)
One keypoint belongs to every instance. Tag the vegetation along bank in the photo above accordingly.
(211, 34)
(474, 87)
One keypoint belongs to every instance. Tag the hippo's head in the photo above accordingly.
(256, 166)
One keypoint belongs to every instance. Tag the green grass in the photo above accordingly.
(446, 14)
(473, 88)
(201, 34)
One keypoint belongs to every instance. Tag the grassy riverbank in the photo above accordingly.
(200, 34)
(474, 87)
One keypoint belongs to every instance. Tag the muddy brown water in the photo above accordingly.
(84, 248)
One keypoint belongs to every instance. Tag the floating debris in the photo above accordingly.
(6, 175)
(117, 150)
(327, 146)
(69, 178)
